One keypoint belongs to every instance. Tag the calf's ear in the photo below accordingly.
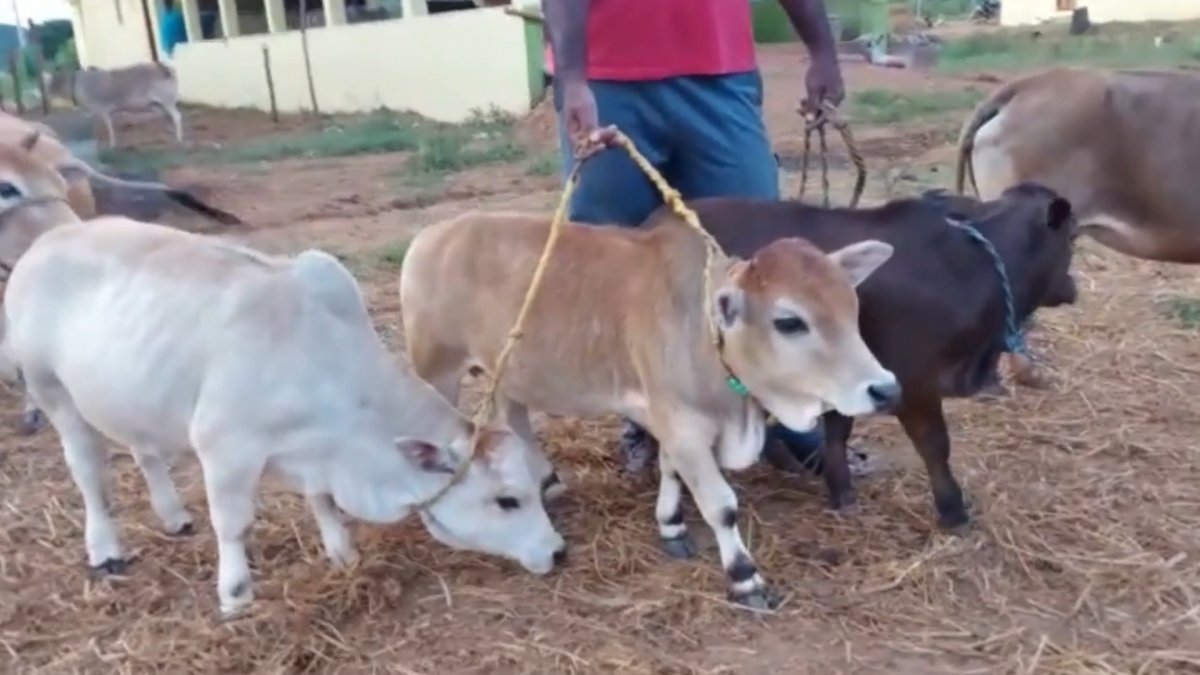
(1058, 214)
(861, 259)
(30, 141)
(425, 455)
(729, 302)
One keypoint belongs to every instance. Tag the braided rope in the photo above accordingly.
(1014, 338)
(816, 123)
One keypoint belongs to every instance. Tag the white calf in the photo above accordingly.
(160, 340)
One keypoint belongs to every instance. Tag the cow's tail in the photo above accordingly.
(180, 197)
(983, 113)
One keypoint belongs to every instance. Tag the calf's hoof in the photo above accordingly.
(679, 548)
(185, 530)
(1026, 373)
(763, 598)
(112, 566)
(848, 510)
(843, 502)
(955, 522)
(237, 600)
(32, 422)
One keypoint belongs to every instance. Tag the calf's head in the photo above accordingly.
(496, 506)
(789, 318)
(1045, 228)
(33, 199)
(1037, 226)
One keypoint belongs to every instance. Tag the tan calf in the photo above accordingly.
(137, 87)
(1121, 146)
(620, 327)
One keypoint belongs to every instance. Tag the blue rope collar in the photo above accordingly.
(1014, 337)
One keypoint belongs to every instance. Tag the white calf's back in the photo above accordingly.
(201, 332)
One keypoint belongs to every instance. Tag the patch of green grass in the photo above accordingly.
(1111, 45)
(440, 148)
(362, 263)
(943, 8)
(352, 262)
(884, 106)
(392, 255)
(546, 164)
(1184, 311)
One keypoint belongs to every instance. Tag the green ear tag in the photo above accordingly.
(737, 386)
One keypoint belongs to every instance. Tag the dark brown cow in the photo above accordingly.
(935, 314)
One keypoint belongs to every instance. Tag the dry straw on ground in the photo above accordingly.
(1084, 557)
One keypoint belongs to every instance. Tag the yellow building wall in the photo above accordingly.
(442, 66)
(1025, 12)
(108, 38)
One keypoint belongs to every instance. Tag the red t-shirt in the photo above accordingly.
(657, 39)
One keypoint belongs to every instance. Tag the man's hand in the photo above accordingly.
(579, 109)
(582, 119)
(823, 83)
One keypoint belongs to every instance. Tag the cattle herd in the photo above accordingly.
(163, 340)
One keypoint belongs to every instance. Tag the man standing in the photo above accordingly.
(680, 78)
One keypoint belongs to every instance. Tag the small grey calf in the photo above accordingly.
(103, 92)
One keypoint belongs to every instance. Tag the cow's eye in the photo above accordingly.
(508, 503)
(9, 191)
(791, 325)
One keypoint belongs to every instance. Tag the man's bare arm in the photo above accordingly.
(811, 22)
(566, 25)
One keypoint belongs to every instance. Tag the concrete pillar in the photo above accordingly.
(191, 19)
(335, 12)
(80, 29)
(276, 16)
(155, 12)
(231, 24)
(411, 8)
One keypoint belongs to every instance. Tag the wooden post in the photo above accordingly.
(312, 88)
(270, 83)
(39, 62)
(14, 68)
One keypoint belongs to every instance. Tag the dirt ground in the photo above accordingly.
(1084, 556)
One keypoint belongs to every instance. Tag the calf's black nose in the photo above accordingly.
(884, 396)
(560, 556)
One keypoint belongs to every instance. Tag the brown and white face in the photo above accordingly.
(790, 320)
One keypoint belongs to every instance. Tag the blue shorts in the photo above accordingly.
(704, 133)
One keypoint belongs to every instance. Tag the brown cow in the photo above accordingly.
(934, 315)
(621, 327)
(1120, 145)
